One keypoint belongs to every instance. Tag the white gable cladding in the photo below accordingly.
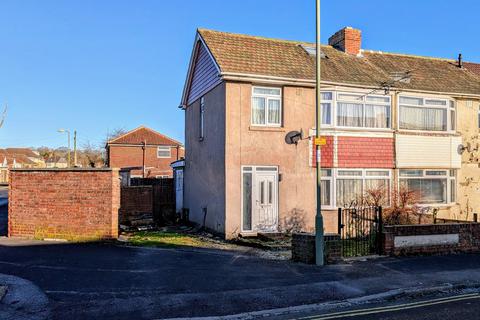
(427, 151)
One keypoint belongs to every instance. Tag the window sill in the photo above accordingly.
(428, 133)
(439, 205)
(266, 128)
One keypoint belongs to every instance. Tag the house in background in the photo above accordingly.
(145, 148)
(55, 161)
(18, 158)
(388, 120)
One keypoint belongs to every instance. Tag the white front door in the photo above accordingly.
(260, 199)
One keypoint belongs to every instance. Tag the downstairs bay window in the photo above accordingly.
(344, 187)
(430, 186)
(354, 185)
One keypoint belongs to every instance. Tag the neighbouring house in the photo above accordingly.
(388, 120)
(11, 158)
(55, 161)
(145, 148)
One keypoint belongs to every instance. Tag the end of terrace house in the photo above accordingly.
(388, 119)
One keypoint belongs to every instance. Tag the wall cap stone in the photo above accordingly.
(64, 169)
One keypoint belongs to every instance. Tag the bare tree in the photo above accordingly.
(117, 132)
(91, 156)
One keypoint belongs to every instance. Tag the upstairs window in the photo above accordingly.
(326, 107)
(426, 114)
(266, 106)
(164, 152)
(363, 111)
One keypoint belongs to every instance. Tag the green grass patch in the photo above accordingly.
(165, 239)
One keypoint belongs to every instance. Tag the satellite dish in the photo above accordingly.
(293, 137)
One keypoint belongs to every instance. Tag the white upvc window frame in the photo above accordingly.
(365, 177)
(159, 148)
(267, 97)
(331, 103)
(450, 107)
(330, 179)
(450, 175)
(363, 100)
(334, 177)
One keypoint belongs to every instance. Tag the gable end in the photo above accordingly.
(203, 75)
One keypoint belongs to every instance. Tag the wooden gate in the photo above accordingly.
(164, 201)
(148, 199)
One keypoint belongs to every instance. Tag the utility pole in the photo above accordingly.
(144, 155)
(75, 148)
(319, 245)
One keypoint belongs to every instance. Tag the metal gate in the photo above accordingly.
(360, 231)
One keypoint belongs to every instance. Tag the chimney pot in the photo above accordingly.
(348, 40)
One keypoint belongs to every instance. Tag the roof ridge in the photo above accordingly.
(243, 35)
(161, 134)
(406, 55)
(112, 141)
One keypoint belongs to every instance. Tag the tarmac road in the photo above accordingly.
(465, 307)
(109, 281)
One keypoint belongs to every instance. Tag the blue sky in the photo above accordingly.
(95, 65)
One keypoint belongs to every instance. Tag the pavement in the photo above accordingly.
(111, 281)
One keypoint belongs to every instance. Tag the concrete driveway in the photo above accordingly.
(108, 281)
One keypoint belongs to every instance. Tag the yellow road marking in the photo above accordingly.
(406, 306)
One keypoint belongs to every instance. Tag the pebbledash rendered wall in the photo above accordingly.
(71, 204)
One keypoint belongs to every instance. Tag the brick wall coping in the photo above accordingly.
(65, 169)
(313, 234)
(430, 225)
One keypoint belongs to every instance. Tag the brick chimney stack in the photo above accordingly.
(348, 40)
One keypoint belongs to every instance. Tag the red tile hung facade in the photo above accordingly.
(326, 153)
(71, 204)
(365, 152)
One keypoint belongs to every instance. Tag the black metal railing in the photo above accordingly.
(360, 231)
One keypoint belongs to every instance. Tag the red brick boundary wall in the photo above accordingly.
(303, 248)
(72, 204)
(431, 239)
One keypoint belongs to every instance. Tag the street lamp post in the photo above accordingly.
(319, 244)
(68, 137)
